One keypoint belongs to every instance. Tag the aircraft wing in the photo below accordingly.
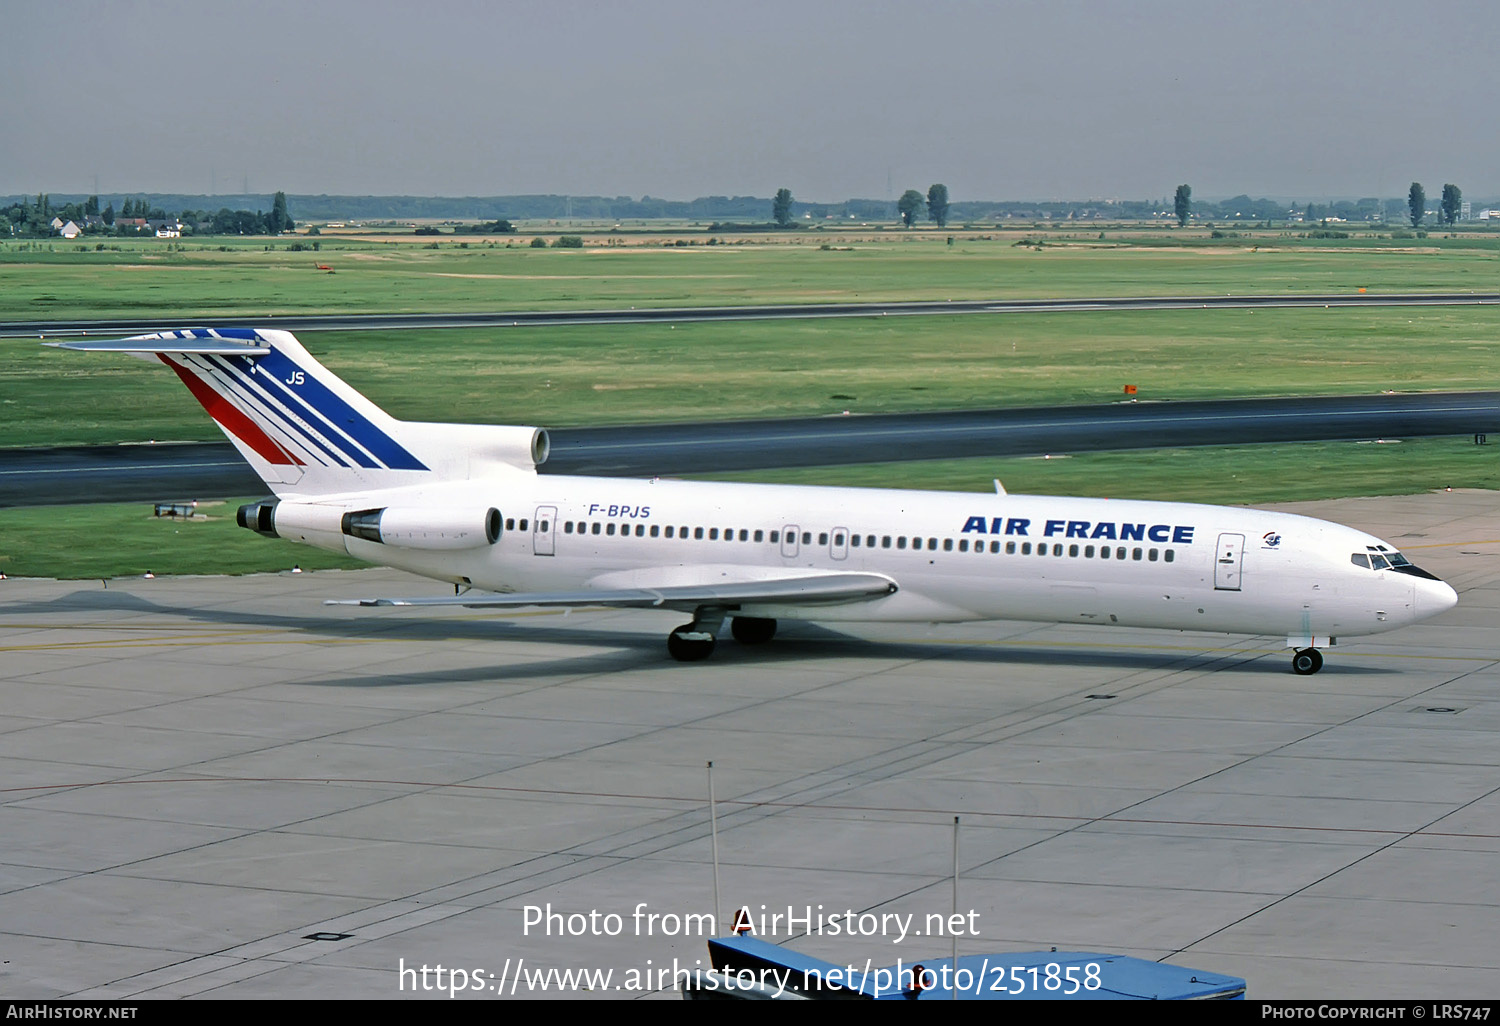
(812, 589)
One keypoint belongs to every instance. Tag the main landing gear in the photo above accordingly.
(1306, 661)
(752, 630)
(695, 641)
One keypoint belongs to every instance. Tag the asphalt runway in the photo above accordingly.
(149, 473)
(769, 311)
(216, 787)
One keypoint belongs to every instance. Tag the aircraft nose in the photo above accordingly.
(1433, 597)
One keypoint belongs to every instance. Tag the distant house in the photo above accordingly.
(168, 228)
(134, 223)
(70, 231)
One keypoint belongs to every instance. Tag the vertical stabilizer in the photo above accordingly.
(307, 432)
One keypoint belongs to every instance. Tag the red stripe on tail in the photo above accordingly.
(231, 418)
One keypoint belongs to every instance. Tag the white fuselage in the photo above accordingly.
(953, 556)
(463, 503)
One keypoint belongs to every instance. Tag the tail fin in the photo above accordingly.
(307, 432)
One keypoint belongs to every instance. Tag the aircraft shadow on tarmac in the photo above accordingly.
(634, 649)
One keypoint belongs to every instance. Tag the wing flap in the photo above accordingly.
(813, 589)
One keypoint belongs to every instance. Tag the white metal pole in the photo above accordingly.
(713, 829)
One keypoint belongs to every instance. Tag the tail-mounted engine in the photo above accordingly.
(400, 527)
(425, 528)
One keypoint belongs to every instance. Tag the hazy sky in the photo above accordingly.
(1006, 99)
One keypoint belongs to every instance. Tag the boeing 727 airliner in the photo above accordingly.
(464, 504)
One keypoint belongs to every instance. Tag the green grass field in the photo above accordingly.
(221, 278)
(614, 374)
(575, 375)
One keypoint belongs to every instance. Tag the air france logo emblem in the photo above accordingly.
(1272, 539)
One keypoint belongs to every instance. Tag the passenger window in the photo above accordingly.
(885, 542)
(1104, 552)
(1025, 548)
(854, 540)
(822, 537)
(1057, 549)
(510, 523)
(1072, 550)
(640, 530)
(760, 535)
(1151, 556)
(609, 529)
(698, 533)
(713, 534)
(1135, 554)
(1120, 552)
(806, 537)
(1169, 555)
(597, 527)
(1010, 548)
(523, 523)
(838, 538)
(655, 530)
(669, 531)
(745, 535)
(963, 545)
(567, 527)
(1088, 552)
(775, 537)
(901, 542)
(931, 544)
(869, 541)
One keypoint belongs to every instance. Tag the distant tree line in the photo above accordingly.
(1243, 208)
(33, 218)
(244, 214)
(498, 227)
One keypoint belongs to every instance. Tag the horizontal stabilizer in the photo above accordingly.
(814, 589)
(208, 341)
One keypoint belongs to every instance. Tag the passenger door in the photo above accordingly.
(789, 541)
(1227, 563)
(542, 530)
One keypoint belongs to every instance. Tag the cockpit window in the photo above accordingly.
(1378, 557)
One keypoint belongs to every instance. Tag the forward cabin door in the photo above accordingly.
(1227, 562)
